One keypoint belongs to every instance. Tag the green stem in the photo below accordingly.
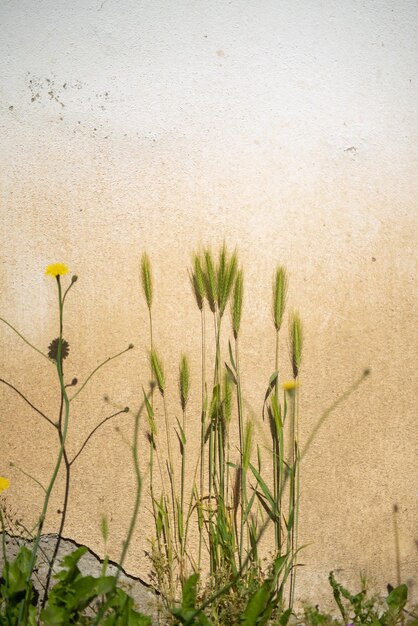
(203, 422)
(132, 524)
(115, 356)
(25, 340)
(241, 453)
(24, 610)
(295, 492)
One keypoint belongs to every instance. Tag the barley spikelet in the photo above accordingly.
(198, 282)
(227, 397)
(296, 342)
(146, 277)
(226, 274)
(280, 285)
(184, 381)
(210, 281)
(237, 303)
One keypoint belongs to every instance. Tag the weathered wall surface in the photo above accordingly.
(287, 129)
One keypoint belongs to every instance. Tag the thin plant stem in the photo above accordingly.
(5, 382)
(241, 453)
(23, 613)
(95, 429)
(35, 480)
(96, 369)
(294, 492)
(25, 340)
(181, 520)
(134, 517)
(277, 460)
(203, 420)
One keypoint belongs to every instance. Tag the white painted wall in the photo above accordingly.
(287, 128)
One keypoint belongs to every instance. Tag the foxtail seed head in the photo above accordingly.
(227, 397)
(146, 277)
(226, 272)
(296, 342)
(280, 285)
(210, 281)
(237, 303)
(184, 381)
(198, 281)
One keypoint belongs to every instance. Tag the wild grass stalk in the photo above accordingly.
(280, 289)
(199, 288)
(184, 388)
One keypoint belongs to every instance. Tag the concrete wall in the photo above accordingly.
(289, 129)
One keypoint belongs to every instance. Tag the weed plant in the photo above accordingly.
(236, 492)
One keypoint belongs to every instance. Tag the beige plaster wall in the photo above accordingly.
(287, 129)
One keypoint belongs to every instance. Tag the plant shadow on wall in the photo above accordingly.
(238, 490)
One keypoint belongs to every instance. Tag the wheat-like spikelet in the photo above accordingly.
(184, 381)
(227, 397)
(146, 276)
(226, 272)
(198, 281)
(280, 285)
(104, 527)
(296, 342)
(210, 281)
(237, 303)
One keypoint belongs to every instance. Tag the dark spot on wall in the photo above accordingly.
(373, 258)
(11, 107)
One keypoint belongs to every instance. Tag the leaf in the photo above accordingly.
(256, 605)
(397, 598)
(231, 356)
(150, 412)
(231, 374)
(271, 385)
(182, 436)
(284, 618)
(264, 487)
(190, 592)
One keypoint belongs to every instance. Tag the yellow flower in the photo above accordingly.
(56, 269)
(290, 385)
(4, 484)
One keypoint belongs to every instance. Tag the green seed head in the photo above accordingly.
(198, 281)
(280, 285)
(237, 303)
(227, 397)
(184, 381)
(146, 277)
(104, 527)
(210, 281)
(296, 342)
(226, 272)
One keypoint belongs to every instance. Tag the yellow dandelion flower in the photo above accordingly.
(290, 385)
(4, 484)
(56, 269)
